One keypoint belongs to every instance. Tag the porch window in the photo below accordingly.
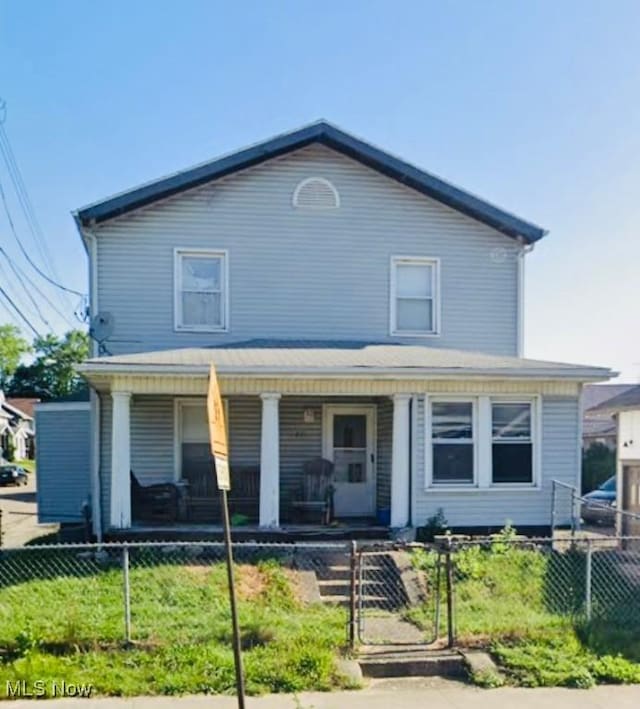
(511, 442)
(414, 296)
(453, 442)
(201, 290)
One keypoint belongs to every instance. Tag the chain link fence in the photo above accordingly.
(90, 595)
(455, 590)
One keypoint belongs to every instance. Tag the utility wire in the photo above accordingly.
(23, 196)
(26, 290)
(25, 253)
(20, 274)
(18, 311)
(27, 207)
(10, 313)
(18, 297)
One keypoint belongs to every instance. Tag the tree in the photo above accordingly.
(12, 348)
(598, 464)
(52, 373)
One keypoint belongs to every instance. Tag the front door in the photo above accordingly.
(349, 441)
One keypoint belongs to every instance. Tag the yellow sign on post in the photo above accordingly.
(218, 432)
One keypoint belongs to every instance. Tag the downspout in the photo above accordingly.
(524, 250)
(96, 488)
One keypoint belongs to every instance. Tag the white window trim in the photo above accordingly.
(536, 441)
(435, 288)
(179, 403)
(326, 183)
(178, 254)
(431, 484)
(483, 442)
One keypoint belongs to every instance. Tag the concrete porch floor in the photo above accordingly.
(285, 533)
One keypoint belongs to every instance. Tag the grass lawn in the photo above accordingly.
(71, 627)
(524, 605)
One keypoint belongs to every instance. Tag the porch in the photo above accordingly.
(164, 440)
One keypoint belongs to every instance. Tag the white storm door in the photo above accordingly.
(349, 441)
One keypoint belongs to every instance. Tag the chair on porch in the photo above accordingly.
(316, 493)
(154, 503)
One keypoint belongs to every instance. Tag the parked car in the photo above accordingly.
(599, 506)
(13, 475)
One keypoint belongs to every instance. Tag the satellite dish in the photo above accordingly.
(102, 326)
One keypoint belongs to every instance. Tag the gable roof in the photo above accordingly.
(325, 134)
(595, 394)
(629, 399)
(23, 404)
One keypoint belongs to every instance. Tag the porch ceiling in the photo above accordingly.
(273, 360)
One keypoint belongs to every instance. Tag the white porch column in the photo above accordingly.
(400, 486)
(121, 460)
(270, 462)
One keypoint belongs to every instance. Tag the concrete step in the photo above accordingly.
(411, 662)
(365, 601)
(340, 571)
(335, 587)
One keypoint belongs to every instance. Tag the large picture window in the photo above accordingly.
(201, 290)
(414, 295)
(452, 441)
(511, 442)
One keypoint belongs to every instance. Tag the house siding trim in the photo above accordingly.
(197, 385)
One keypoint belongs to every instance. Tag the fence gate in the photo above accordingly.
(397, 602)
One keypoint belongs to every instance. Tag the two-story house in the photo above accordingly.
(356, 308)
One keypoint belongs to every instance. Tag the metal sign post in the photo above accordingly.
(220, 451)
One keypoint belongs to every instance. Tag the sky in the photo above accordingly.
(534, 106)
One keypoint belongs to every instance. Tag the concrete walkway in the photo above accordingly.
(384, 694)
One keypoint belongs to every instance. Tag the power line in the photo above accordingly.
(25, 253)
(20, 275)
(18, 297)
(19, 312)
(25, 201)
(26, 290)
(14, 320)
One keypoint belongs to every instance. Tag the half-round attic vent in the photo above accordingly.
(316, 193)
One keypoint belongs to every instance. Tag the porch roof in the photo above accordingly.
(297, 358)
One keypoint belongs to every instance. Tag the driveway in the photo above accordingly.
(385, 694)
(20, 515)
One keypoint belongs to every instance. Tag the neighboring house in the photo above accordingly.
(625, 409)
(598, 425)
(17, 431)
(356, 308)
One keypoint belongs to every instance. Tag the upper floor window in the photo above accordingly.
(201, 286)
(414, 296)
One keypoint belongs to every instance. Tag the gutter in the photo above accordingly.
(578, 374)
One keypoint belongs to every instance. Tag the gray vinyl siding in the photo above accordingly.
(63, 460)
(560, 461)
(306, 274)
